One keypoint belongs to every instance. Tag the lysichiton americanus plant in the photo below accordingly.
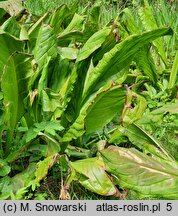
(71, 93)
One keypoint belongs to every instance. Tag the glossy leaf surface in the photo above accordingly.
(140, 172)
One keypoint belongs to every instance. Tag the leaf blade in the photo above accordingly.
(118, 57)
(140, 172)
(93, 177)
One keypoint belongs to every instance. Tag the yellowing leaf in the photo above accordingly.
(92, 175)
(142, 173)
(44, 166)
(13, 7)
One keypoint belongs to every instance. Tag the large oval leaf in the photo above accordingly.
(118, 58)
(104, 108)
(98, 111)
(91, 174)
(14, 84)
(141, 173)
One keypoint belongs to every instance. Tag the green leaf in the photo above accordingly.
(68, 52)
(44, 166)
(118, 58)
(16, 187)
(73, 32)
(15, 79)
(46, 45)
(22, 181)
(75, 35)
(93, 43)
(131, 114)
(59, 72)
(91, 174)
(143, 58)
(9, 45)
(75, 24)
(42, 83)
(141, 173)
(41, 149)
(117, 137)
(34, 29)
(128, 22)
(174, 72)
(107, 45)
(146, 63)
(149, 23)
(171, 108)
(146, 142)
(31, 134)
(5, 188)
(58, 17)
(92, 22)
(69, 87)
(2, 13)
(50, 101)
(76, 129)
(49, 127)
(77, 152)
(104, 108)
(12, 27)
(4, 168)
(91, 117)
(39, 7)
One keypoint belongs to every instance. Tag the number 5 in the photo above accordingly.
(169, 207)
